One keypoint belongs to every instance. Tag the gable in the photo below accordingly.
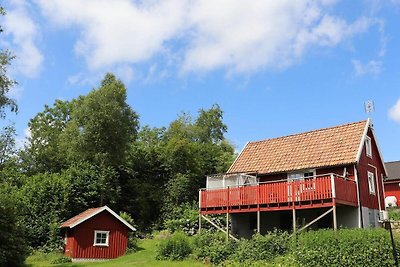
(333, 146)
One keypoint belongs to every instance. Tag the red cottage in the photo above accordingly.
(97, 233)
(392, 184)
(331, 177)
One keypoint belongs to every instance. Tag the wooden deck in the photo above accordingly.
(315, 192)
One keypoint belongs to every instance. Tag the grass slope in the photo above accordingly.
(144, 257)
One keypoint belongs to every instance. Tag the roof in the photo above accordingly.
(87, 214)
(393, 170)
(339, 145)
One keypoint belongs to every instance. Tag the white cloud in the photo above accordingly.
(239, 36)
(372, 67)
(23, 31)
(394, 112)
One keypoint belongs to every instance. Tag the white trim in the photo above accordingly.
(368, 146)
(358, 195)
(362, 141)
(95, 238)
(100, 210)
(377, 185)
(238, 157)
(369, 175)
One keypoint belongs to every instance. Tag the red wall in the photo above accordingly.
(366, 199)
(80, 238)
(392, 188)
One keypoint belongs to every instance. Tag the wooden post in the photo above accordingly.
(227, 226)
(334, 217)
(199, 222)
(294, 220)
(258, 221)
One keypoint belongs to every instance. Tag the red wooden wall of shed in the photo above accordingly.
(392, 188)
(83, 237)
(365, 165)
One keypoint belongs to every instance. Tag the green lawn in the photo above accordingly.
(144, 257)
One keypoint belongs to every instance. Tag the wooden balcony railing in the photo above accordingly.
(283, 194)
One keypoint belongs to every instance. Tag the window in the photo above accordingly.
(101, 238)
(371, 183)
(368, 148)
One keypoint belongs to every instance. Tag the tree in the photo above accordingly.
(13, 247)
(102, 125)
(7, 144)
(44, 152)
(6, 82)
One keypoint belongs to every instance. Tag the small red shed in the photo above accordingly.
(97, 233)
(392, 182)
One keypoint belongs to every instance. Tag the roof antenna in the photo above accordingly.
(369, 107)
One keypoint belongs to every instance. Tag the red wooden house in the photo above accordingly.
(329, 177)
(97, 233)
(392, 181)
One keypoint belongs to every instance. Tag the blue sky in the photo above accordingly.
(274, 67)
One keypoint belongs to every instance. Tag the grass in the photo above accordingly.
(144, 257)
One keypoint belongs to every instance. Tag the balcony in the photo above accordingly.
(309, 192)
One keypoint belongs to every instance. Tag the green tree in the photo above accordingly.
(6, 82)
(43, 152)
(102, 125)
(7, 144)
(13, 248)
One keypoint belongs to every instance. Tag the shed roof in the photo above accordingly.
(89, 213)
(339, 145)
(393, 170)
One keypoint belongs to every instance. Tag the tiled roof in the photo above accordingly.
(320, 148)
(87, 214)
(393, 170)
(81, 216)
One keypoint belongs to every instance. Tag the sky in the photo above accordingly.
(274, 67)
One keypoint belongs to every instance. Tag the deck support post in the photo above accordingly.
(334, 217)
(258, 221)
(294, 220)
(227, 226)
(199, 222)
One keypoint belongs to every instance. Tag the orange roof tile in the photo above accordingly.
(319, 148)
(87, 214)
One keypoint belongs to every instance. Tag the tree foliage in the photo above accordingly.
(6, 82)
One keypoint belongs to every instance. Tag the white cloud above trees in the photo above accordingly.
(239, 36)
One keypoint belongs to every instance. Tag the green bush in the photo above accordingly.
(61, 259)
(213, 248)
(260, 247)
(355, 247)
(175, 247)
(394, 213)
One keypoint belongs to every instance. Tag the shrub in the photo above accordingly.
(176, 247)
(183, 218)
(260, 247)
(212, 247)
(394, 214)
(355, 247)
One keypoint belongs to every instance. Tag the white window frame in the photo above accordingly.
(368, 146)
(371, 183)
(95, 238)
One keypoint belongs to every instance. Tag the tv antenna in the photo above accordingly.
(369, 107)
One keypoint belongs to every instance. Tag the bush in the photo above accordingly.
(213, 248)
(261, 248)
(394, 213)
(183, 218)
(355, 247)
(175, 247)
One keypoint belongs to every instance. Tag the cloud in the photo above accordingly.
(238, 36)
(23, 31)
(372, 67)
(394, 112)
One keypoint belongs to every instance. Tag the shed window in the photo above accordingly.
(368, 147)
(101, 238)
(371, 183)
